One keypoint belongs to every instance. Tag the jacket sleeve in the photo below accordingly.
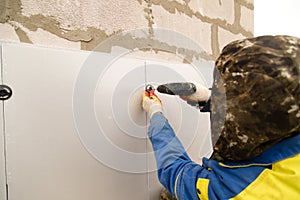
(172, 161)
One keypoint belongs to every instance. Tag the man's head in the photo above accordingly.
(255, 96)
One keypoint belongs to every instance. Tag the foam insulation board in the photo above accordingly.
(2, 141)
(75, 128)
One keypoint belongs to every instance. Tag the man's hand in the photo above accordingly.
(201, 95)
(193, 93)
(151, 103)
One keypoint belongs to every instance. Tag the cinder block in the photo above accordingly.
(190, 27)
(7, 32)
(110, 16)
(226, 37)
(249, 1)
(247, 19)
(218, 9)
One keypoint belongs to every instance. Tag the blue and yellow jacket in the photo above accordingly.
(275, 174)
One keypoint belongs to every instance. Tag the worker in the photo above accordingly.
(255, 122)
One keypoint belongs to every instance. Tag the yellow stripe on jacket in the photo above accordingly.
(281, 182)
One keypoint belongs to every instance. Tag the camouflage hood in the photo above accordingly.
(255, 96)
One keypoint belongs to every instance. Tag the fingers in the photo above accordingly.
(154, 97)
(151, 95)
(202, 94)
(151, 103)
(189, 99)
(146, 95)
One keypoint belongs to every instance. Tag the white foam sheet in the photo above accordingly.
(75, 128)
(2, 142)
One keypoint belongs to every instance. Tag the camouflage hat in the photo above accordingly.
(255, 96)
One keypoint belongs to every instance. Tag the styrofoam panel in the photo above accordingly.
(76, 127)
(46, 158)
(2, 142)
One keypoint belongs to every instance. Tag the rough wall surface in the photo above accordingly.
(81, 24)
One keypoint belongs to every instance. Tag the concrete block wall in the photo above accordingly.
(81, 24)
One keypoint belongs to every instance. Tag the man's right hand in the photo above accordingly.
(193, 93)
